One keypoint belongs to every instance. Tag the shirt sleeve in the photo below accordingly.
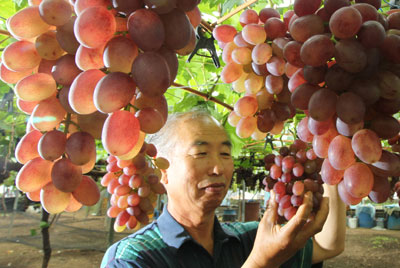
(110, 260)
(122, 263)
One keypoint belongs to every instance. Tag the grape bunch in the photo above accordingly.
(255, 66)
(292, 173)
(134, 185)
(56, 181)
(251, 179)
(86, 70)
(342, 68)
(349, 90)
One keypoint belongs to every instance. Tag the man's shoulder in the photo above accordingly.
(147, 238)
(239, 228)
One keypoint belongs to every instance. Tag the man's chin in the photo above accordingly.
(211, 204)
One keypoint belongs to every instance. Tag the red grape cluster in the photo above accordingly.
(342, 61)
(292, 173)
(255, 65)
(88, 68)
(348, 87)
(56, 181)
(134, 185)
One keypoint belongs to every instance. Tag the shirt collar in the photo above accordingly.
(222, 234)
(174, 235)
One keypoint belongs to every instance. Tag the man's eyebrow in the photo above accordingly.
(200, 143)
(227, 143)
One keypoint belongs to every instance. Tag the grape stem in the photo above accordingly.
(234, 12)
(206, 25)
(205, 96)
(4, 32)
(97, 173)
(67, 122)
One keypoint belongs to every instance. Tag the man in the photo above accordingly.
(188, 234)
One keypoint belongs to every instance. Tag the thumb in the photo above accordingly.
(295, 224)
(271, 214)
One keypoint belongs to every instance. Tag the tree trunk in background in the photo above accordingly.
(45, 239)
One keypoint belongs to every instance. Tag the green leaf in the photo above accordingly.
(20, 4)
(9, 181)
(229, 5)
(33, 232)
(213, 3)
(5, 126)
(188, 102)
(246, 164)
(211, 67)
(7, 9)
(44, 224)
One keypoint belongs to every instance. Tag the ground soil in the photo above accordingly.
(80, 239)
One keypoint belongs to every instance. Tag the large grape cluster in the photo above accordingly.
(255, 66)
(350, 93)
(86, 70)
(341, 62)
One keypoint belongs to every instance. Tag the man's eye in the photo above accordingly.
(201, 153)
(226, 154)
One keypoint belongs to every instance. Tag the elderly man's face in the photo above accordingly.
(201, 165)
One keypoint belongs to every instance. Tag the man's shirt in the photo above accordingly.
(165, 243)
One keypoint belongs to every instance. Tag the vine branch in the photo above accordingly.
(206, 25)
(46, 239)
(205, 96)
(4, 32)
(233, 12)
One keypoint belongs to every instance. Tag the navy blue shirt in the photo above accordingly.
(165, 243)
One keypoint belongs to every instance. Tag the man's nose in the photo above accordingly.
(216, 165)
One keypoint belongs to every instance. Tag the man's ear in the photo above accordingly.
(164, 176)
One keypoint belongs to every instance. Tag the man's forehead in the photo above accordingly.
(199, 120)
(201, 130)
(200, 123)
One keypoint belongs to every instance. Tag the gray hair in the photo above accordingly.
(165, 139)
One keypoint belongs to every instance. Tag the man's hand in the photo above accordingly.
(275, 244)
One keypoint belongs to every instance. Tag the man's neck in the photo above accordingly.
(198, 224)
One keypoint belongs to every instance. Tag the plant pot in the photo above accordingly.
(229, 215)
(252, 211)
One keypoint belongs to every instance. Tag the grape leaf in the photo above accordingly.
(7, 9)
(20, 4)
(229, 5)
(189, 101)
(44, 224)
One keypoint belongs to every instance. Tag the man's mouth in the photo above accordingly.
(215, 187)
